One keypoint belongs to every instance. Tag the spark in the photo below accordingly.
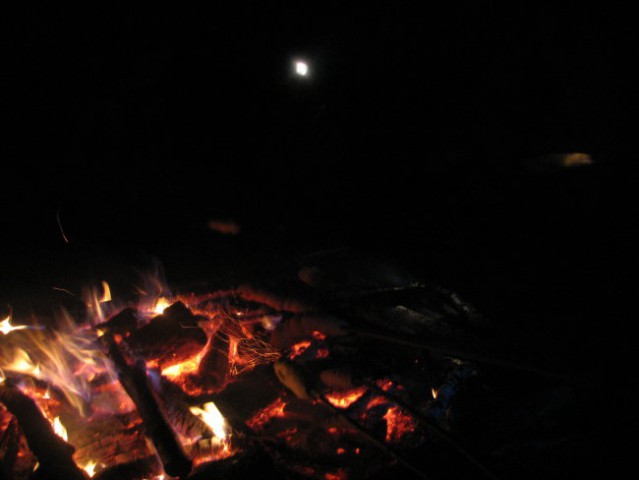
(60, 289)
(64, 237)
(106, 295)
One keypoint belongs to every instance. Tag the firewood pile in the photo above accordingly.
(319, 376)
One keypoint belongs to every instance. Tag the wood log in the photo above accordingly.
(54, 454)
(124, 323)
(136, 383)
(170, 338)
(214, 365)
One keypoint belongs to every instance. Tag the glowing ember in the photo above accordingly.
(261, 418)
(213, 418)
(338, 475)
(376, 402)
(317, 335)
(345, 399)
(6, 327)
(299, 348)
(398, 424)
(385, 385)
(59, 429)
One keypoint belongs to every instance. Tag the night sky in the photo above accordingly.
(135, 128)
(408, 139)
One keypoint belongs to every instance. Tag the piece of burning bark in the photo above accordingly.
(170, 338)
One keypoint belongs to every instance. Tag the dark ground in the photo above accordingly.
(406, 143)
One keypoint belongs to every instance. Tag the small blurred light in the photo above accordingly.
(301, 68)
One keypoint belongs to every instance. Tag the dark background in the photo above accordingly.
(137, 127)
(407, 141)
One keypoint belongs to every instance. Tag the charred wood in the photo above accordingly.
(214, 365)
(124, 323)
(178, 324)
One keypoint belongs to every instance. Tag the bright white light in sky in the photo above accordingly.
(301, 68)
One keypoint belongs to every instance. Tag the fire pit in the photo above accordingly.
(366, 378)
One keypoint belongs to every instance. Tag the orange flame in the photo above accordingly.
(19, 361)
(160, 305)
(6, 327)
(68, 359)
(89, 467)
(210, 415)
(106, 293)
(59, 429)
(344, 399)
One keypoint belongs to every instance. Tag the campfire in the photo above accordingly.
(219, 383)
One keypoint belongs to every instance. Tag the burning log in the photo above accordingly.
(177, 323)
(54, 454)
(136, 383)
(214, 365)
